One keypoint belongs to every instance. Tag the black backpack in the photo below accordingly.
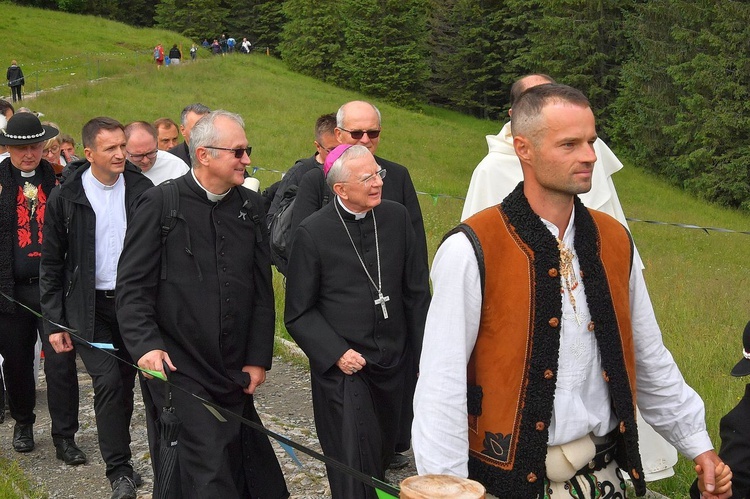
(280, 228)
(170, 214)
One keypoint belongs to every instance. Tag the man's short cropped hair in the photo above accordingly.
(520, 86)
(95, 125)
(325, 124)
(167, 123)
(341, 114)
(527, 111)
(196, 108)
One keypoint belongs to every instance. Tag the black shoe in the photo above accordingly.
(68, 451)
(398, 461)
(23, 437)
(123, 488)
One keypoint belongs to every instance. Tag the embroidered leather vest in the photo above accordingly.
(512, 370)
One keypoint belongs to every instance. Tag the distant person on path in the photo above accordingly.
(84, 231)
(215, 47)
(15, 78)
(155, 164)
(224, 45)
(246, 46)
(193, 52)
(357, 295)
(208, 313)
(734, 430)
(231, 42)
(159, 56)
(168, 134)
(188, 118)
(541, 334)
(175, 55)
(206, 44)
(26, 180)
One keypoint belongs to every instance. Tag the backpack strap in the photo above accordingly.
(247, 204)
(169, 214)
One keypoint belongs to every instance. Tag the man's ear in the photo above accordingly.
(340, 190)
(88, 153)
(524, 148)
(201, 155)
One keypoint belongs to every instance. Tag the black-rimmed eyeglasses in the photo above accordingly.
(139, 157)
(238, 153)
(357, 134)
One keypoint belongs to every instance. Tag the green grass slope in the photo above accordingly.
(699, 282)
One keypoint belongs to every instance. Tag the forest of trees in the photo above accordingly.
(668, 79)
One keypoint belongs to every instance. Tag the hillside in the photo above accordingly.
(699, 282)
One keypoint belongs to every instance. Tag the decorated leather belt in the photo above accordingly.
(605, 454)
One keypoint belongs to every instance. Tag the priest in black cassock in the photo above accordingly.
(357, 297)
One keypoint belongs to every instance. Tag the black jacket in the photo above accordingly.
(68, 265)
(181, 151)
(14, 75)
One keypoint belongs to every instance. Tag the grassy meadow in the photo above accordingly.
(699, 282)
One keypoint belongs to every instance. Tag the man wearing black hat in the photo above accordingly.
(86, 221)
(25, 182)
(734, 430)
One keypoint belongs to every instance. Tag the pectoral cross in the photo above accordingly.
(381, 301)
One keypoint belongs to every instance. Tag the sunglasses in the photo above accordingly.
(238, 153)
(357, 134)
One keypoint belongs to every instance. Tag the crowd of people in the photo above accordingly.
(535, 366)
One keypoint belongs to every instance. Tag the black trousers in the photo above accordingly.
(113, 381)
(16, 91)
(18, 332)
(62, 390)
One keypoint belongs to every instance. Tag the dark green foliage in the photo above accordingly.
(384, 53)
(683, 108)
(267, 21)
(312, 38)
(197, 19)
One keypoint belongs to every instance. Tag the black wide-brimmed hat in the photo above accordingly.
(743, 366)
(25, 128)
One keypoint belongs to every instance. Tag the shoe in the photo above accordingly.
(137, 479)
(123, 488)
(23, 437)
(68, 451)
(398, 461)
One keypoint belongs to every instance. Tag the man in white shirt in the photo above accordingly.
(541, 333)
(83, 237)
(142, 151)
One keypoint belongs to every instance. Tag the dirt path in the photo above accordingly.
(283, 403)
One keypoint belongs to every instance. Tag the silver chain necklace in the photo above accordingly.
(381, 299)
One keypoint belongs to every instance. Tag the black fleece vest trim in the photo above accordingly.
(532, 444)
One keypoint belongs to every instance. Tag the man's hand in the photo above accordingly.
(257, 377)
(351, 362)
(153, 361)
(714, 476)
(61, 342)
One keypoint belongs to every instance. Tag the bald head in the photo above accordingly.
(358, 123)
(526, 82)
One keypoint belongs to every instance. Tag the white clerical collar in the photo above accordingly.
(95, 182)
(357, 216)
(27, 174)
(210, 195)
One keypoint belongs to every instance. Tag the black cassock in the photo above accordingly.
(213, 313)
(330, 308)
